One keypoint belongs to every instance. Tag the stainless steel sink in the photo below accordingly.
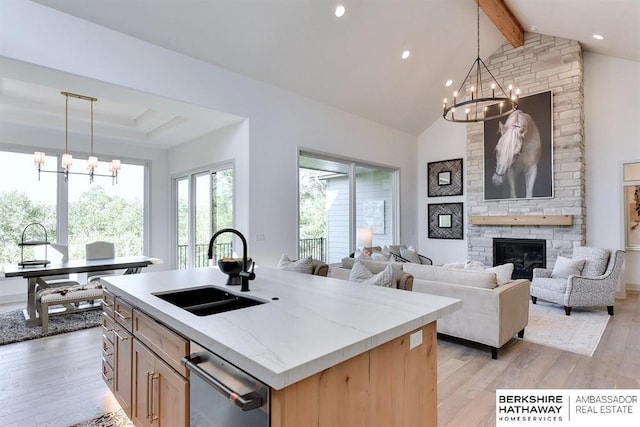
(207, 300)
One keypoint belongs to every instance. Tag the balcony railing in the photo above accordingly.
(222, 250)
(315, 248)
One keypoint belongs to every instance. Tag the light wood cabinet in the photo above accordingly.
(123, 352)
(141, 366)
(390, 385)
(161, 395)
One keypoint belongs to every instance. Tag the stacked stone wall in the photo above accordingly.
(543, 63)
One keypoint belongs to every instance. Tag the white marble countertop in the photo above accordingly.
(315, 323)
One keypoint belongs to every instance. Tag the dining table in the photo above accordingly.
(37, 275)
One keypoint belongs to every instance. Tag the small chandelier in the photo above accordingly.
(477, 99)
(67, 158)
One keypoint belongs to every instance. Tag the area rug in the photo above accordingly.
(110, 419)
(13, 328)
(579, 333)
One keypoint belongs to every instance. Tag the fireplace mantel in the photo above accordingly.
(521, 220)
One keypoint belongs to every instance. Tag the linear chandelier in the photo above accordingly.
(481, 98)
(67, 158)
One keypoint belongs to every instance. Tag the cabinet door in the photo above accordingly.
(122, 369)
(143, 373)
(171, 396)
(160, 394)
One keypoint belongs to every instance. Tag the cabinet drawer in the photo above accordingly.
(107, 374)
(107, 350)
(107, 302)
(107, 327)
(123, 314)
(164, 342)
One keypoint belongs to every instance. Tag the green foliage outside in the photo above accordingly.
(313, 210)
(95, 216)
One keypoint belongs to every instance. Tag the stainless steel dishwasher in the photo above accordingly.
(222, 395)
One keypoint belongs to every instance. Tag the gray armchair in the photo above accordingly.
(593, 287)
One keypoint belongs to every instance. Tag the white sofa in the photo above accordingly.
(490, 314)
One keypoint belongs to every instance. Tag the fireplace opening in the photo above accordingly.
(525, 254)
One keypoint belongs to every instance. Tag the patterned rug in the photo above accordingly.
(13, 328)
(110, 419)
(579, 333)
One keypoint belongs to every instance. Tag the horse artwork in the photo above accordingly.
(518, 152)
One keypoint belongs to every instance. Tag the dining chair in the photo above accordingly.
(99, 250)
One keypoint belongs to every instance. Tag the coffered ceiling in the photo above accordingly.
(353, 63)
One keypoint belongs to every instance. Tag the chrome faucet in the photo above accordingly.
(245, 274)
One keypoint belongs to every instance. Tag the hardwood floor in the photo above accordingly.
(56, 381)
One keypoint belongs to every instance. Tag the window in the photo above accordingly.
(338, 197)
(74, 213)
(204, 205)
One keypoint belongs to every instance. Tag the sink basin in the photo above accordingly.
(207, 300)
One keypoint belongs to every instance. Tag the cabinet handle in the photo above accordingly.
(120, 336)
(120, 315)
(105, 354)
(150, 377)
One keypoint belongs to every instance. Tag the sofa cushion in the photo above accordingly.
(596, 260)
(304, 265)
(566, 267)
(555, 285)
(479, 279)
(361, 274)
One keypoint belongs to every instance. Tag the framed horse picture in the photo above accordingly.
(518, 151)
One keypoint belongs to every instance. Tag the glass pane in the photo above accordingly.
(324, 209)
(222, 184)
(203, 225)
(104, 211)
(182, 214)
(632, 172)
(374, 204)
(23, 200)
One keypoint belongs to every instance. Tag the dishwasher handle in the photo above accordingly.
(246, 402)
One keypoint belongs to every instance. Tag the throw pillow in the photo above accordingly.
(360, 274)
(474, 265)
(503, 273)
(359, 254)
(596, 260)
(566, 267)
(304, 265)
(410, 255)
(379, 256)
(454, 265)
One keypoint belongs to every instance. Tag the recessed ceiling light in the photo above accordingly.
(406, 54)
(598, 37)
(340, 11)
(448, 83)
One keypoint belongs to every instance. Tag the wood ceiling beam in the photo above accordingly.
(504, 20)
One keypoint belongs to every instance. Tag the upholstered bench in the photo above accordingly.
(66, 296)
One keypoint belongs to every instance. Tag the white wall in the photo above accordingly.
(279, 121)
(442, 141)
(612, 136)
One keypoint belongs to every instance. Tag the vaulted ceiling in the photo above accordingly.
(353, 62)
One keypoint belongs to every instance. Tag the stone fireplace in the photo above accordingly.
(543, 63)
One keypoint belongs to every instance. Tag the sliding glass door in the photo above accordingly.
(204, 205)
(336, 198)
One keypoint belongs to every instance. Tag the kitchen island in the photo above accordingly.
(361, 354)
